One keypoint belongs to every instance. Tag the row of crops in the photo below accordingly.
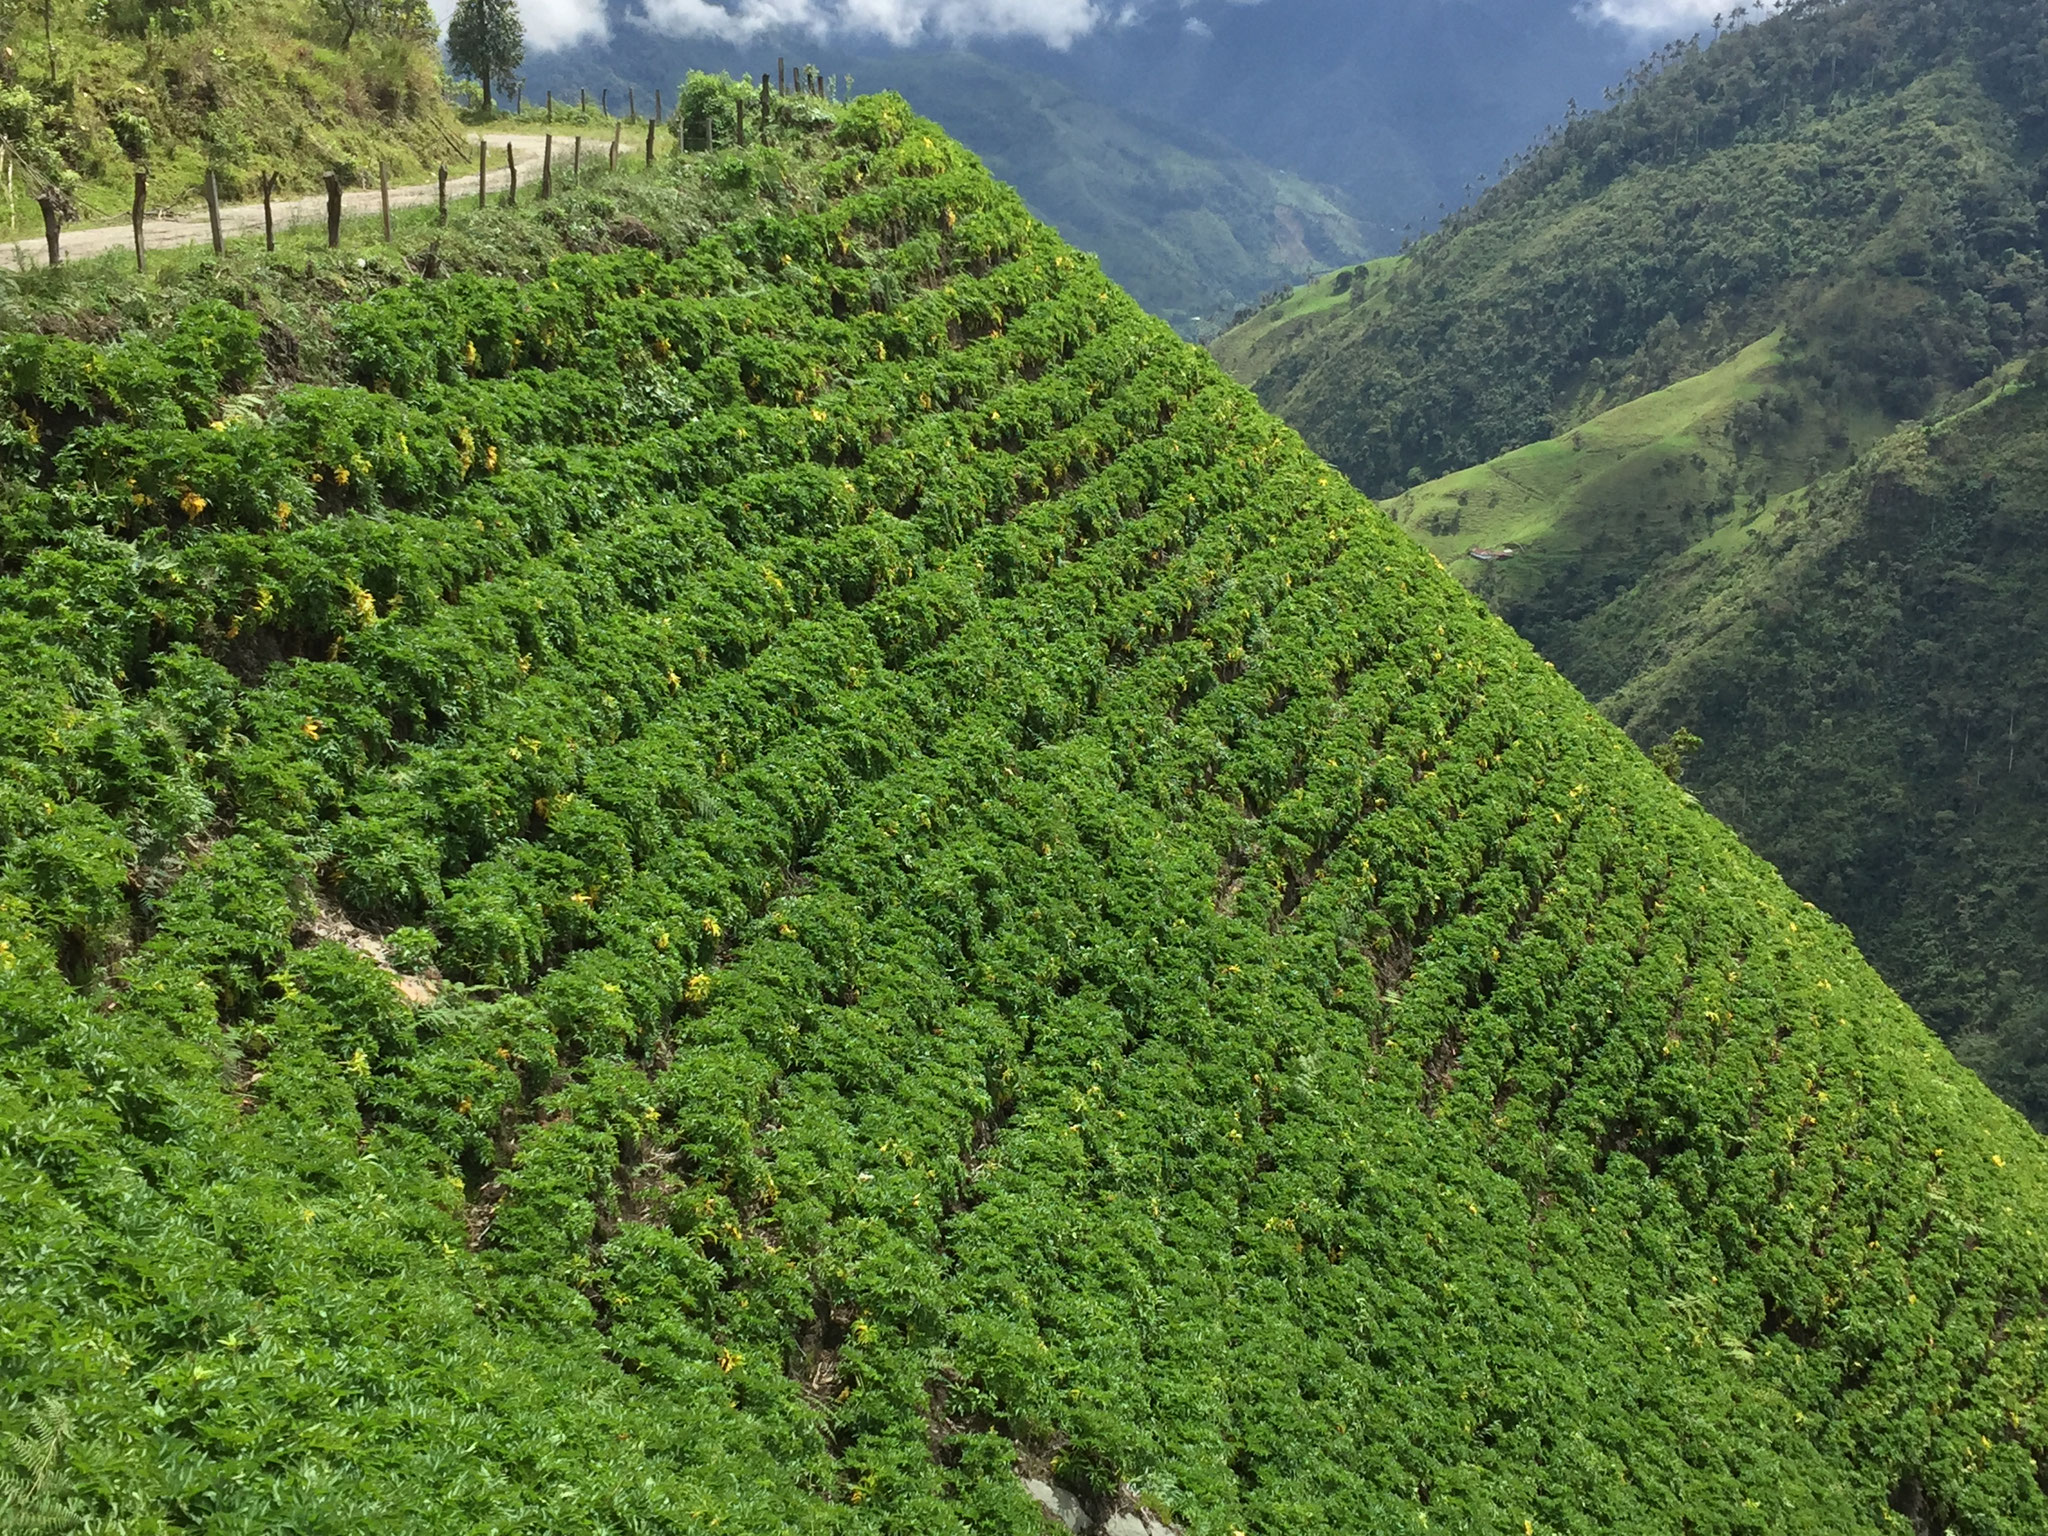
(948, 899)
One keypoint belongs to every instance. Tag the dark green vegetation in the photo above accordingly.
(1864, 662)
(262, 86)
(1678, 326)
(757, 850)
(1864, 174)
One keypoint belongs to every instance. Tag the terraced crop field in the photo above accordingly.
(755, 860)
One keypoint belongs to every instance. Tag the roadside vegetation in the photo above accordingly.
(287, 88)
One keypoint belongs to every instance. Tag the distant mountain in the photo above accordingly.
(1740, 370)
(1208, 154)
(1399, 103)
(1192, 226)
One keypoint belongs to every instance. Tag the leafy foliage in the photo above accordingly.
(1863, 665)
(487, 43)
(261, 87)
(986, 904)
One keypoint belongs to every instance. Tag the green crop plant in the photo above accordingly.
(758, 855)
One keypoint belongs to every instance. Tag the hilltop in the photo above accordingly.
(1700, 316)
(737, 852)
(262, 87)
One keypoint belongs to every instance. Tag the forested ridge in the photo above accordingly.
(735, 852)
(1863, 172)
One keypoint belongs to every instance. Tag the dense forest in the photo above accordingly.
(1863, 172)
(1698, 316)
(732, 851)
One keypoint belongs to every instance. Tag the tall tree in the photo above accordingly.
(486, 42)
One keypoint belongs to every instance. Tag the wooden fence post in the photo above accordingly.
(604, 101)
(582, 99)
(632, 113)
(551, 106)
(213, 212)
(547, 167)
(511, 177)
(576, 161)
(781, 78)
(269, 222)
(333, 210)
(53, 224)
(614, 164)
(384, 197)
(764, 106)
(141, 200)
(482, 174)
(443, 199)
(650, 143)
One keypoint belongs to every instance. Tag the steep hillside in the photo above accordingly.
(737, 853)
(1836, 214)
(1398, 104)
(1192, 227)
(266, 86)
(1863, 174)
(1859, 655)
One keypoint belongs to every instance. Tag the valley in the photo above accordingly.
(1712, 323)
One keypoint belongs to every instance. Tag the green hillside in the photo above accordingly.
(262, 86)
(755, 860)
(1859, 654)
(1861, 174)
(1691, 314)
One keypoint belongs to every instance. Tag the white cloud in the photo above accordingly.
(1058, 22)
(1194, 26)
(1666, 16)
(559, 23)
(549, 23)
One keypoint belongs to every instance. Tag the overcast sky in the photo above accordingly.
(558, 23)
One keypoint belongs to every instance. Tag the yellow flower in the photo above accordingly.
(699, 988)
(341, 477)
(192, 503)
(311, 729)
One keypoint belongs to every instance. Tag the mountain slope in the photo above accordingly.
(1188, 224)
(1860, 174)
(992, 916)
(267, 88)
(1836, 214)
(1858, 654)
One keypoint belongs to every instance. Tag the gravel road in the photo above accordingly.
(163, 232)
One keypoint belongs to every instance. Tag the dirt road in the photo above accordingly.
(163, 232)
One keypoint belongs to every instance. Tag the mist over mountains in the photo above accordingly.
(1207, 151)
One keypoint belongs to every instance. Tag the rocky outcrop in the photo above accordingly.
(1119, 1514)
